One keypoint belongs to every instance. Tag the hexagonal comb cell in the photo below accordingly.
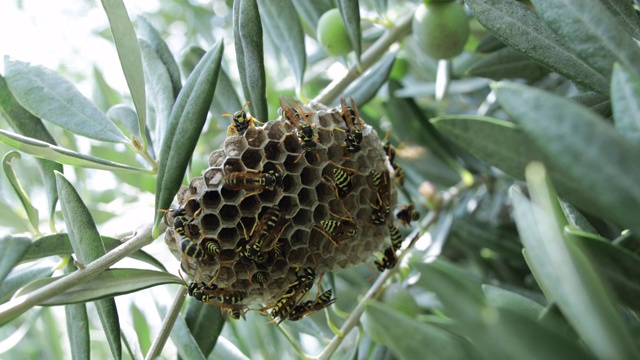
(300, 236)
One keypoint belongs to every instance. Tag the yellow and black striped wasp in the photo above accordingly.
(381, 207)
(293, 293)
(295, 115)
(341, 181)
(388, 261)
(311, 306)
(390, 150)
(407, 214)
(241, 121)
(253, 180)
(354, 125)
(264, 234)
(212, 294)
(186, 241)
(338, 229)
(396, 238)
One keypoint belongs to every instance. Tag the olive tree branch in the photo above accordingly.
(21, 304)
(369, 58)
(167, 324)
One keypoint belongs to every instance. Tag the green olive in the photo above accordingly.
(332, 34)
(441, 28)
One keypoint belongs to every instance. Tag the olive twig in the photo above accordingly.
(370, 57)
(167, 324)
(21, 304)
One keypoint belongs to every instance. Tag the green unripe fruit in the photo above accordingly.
(441, 28)
(332, 34)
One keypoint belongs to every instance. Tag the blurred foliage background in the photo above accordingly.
(520, 153)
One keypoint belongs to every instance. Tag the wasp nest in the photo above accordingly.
(273, 176)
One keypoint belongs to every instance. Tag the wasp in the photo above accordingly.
(407, 214)
(253, 180)
(277, 250)
(396, 238)
(260, 277)
(354, 126)
(296, 116)
(390, 150)
(382, 206)
(241, 121)
(338, 231)
(229, 311)
(292, 293)
(264, 234)
(341, 180)
(210, 247)
(311, 306)
(185, 239)
(388, 261)
(198, 290)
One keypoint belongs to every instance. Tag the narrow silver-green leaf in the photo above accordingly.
(126, 117)
(32, 212)
(625, 101)
(507, 63)
(377, 324)
(311, 11)
(110, 283)
(519, 27)
(103, 95)
(126, 42)
(83, 234)
(576, 219)
(13, 249)
(618, 266)
(503, 145)
(58, 244)
(247, 33)
(51, 97)
(77, 327)
(47, 151)
(625, 15)
(20, 277)
(577, 141)
(227, 350)
(506, 299)
(225, 99)
(591, 32)
(185, 124)
(25, 123)
(601, 104)
(160, 88)
(141, 327)
(88, 246)
(282, 22)
(565, 273)
(489, 44)
(366, 86)
(350, 11)
(149, 33)
(108, 313)
(205, 324)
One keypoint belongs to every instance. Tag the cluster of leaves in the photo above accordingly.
(575, 109)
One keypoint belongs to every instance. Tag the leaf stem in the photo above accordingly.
(21, 304)
(370, 57)
(167, 324)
